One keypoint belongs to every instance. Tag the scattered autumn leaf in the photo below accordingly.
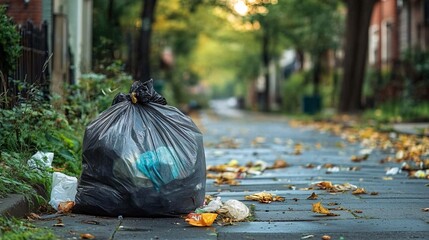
(318, 208)
(374, 193)
(425, 209)
(298, 149)
(59, 223)
(264, 197)
(87, 236)
(65, 207)
(359, 191)
(359, 158)
(358, 211)
(33, 216)
(279, 163)
(326, 237)
(313, 196)
(325, 185)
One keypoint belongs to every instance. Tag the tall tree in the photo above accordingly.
(356, 48)
(143, 57)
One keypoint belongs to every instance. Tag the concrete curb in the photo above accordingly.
(15, 205)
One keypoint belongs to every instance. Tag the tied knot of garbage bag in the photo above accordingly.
(141, 92)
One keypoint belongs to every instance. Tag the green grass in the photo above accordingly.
(14, 229)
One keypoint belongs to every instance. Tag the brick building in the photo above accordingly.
(396, 26)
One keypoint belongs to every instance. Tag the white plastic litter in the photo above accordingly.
(41, 159)
(213, 206)
(235, 209)
(393, 171)
(64, 189)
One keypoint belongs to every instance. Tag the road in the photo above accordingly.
(392, 211)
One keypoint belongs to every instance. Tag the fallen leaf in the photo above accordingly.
(87, 236)
(298, 149)
(313, 196)
(359, 191)
(65, 207)
(201, 219)
(264, 197)
(358, 211)
(33, 216)
(374, 193)
(387, 178)
(325, 185)
(326, 237)
(318, 208)
(425, 209)
(59, 223)
(309, 165)
(279, 163)
(359, 158)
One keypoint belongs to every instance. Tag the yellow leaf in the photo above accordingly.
(359, 191)
(264, 197)
(318, 208)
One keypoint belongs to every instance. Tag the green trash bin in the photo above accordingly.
(311, 104)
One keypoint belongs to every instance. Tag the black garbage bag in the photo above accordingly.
(141, 157)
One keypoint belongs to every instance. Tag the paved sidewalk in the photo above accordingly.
(394, 213)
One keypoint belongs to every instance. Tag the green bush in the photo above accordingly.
(95, 93)
(10, 48)
(29, 127)
(294, 89)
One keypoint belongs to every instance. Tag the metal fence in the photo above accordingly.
(31, 68)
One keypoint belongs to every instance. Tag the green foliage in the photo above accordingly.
(294, 89)
(95, 93)
(394, 111)
(10, 48)
(17, 177)
(13, 229)
(35, 125)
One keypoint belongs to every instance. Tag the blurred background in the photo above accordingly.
(289, 56)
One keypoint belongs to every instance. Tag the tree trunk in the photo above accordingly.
(143, 57)
(356, 48)
(266, 61)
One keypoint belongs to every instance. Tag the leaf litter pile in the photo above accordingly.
(411, 151)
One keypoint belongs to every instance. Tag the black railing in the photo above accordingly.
(31, 68)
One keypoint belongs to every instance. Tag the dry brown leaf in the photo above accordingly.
(264, 197)
(358, 211)
(325, 185)
(374, 193)
(65, 207)
(318, 208)
(221, 181)
(313, 196)
(87, 236)
(59, 223)
(279, 163)
(359, 191)
(326, 237)
(425, 209)
(33, 216)
(359, 158)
